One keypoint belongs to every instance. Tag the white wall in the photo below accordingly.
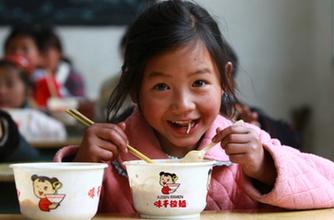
(284, 49)
(271, 38)
(323, 70)
(95, 51)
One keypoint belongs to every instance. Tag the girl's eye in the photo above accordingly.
(161, 87)
(45, 188)
(199, 83)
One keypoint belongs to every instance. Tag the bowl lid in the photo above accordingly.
(59, 166)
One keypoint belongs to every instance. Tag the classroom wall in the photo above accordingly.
(285, 51)
(323, 85)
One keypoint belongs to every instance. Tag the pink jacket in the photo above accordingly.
(304, 181)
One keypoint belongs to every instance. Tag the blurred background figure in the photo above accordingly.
(23, 40)
(43, 48)
(108, 87)
(54, 63)
(56, 85)
(15, 83)
(68, 91)
(283, 131)
(15, 97)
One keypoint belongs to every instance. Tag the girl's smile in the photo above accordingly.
(186, 126)
(180, 96)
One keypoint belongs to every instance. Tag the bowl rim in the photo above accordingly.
(171, 163)
(59, 165)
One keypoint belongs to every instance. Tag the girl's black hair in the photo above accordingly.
(164, 26)
(24, 75)
(22, 30)
(48, 38)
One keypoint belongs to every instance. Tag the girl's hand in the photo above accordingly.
(243, 146)
(102, 142)
(247, 115)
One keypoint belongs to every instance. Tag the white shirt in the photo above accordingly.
(35, 126)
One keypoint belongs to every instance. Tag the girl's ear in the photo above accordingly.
(229, 69)
(229, 72)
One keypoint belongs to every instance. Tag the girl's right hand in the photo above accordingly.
(102, 142)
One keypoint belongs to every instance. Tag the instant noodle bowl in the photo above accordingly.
(169, 189)
(58, 191)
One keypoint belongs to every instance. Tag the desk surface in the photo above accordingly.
(56, 144)
(323, 214)
(6, 173)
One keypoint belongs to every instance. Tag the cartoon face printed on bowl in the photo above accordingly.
(168, 182)
(45, 188)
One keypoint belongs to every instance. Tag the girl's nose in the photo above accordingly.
(183, 102)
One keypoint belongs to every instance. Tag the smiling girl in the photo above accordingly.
(176, 71)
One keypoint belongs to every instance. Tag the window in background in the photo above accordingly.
(70, 12)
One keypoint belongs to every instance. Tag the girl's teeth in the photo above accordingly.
(181, 122)
(188, 125)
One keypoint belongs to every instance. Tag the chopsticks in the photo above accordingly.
(86, 121)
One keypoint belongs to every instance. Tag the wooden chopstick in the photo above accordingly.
(86, 121)
(80, 117)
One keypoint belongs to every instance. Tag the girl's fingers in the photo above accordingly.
(108, 146)
(122, 125)
(104, 154)
(112, 135)
(238, 158)
(90, 151)
(240, 143)
(235, 148)
(236, 138)
(227, 132)
(98, 149)
(117, 128)
(217, 137)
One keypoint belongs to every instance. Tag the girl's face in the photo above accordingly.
(12, 88)
(180, 96)
(51, 58)
(25, 46)
(43, 188)
(165, 179)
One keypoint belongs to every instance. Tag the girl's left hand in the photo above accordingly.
(243, 146)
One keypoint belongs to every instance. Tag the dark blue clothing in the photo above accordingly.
(14, 148)
(280, 130)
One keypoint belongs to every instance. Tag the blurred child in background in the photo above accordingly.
(71, 83)
(23, 40)
(15, 93)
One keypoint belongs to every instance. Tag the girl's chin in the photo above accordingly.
(185, 142)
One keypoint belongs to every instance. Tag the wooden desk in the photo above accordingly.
(8, 198)
(56, 144)
(323, 214)
(6, 173)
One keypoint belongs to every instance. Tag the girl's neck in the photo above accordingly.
(173, 151)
